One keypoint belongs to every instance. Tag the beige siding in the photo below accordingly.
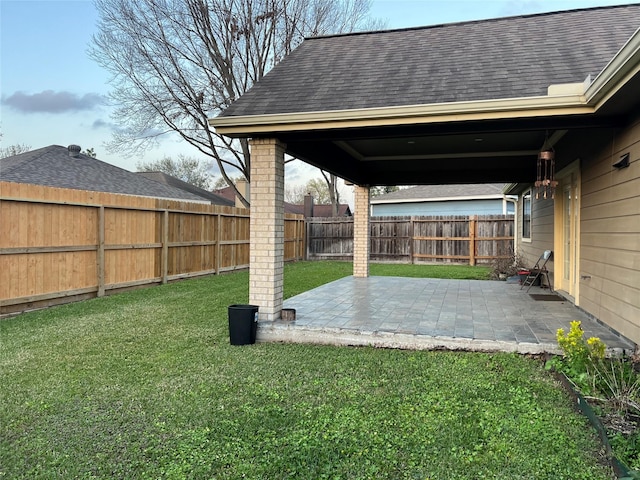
(610, 234)
(541, 231)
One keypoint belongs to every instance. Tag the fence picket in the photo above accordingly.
(470, 239)
(59, 245)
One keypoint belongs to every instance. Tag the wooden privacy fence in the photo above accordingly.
(453, 239)
(59, 245)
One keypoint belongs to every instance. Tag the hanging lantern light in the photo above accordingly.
(545, 179)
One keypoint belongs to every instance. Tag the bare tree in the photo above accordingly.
(11, 150)
(332, 190)
(176, 63)
(187, 169)
(90, 152)
(319, 188)
(221, 183)
(382, 190)
(295, 194)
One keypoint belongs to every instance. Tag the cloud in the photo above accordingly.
(49, 101)
(100, 123)
(298, 172)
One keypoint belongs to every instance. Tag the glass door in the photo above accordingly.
(567, 233)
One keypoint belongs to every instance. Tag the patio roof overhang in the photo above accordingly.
(458, 142)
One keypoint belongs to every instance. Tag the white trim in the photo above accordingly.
(406, 114)
(530, 237)
(507, 199)
(496, 196)
(619, 69)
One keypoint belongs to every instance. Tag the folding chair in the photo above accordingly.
(539, 270)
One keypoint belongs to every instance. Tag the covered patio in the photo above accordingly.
(429, 313)
(471, 102)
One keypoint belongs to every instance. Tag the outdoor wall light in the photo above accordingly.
(623, 162)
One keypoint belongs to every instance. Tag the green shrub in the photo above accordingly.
(612, 382)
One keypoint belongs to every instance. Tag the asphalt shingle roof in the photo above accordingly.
(53, 166)
(172, 181)
(488, 59)
(422, 192)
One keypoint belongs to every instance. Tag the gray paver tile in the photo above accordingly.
(471, 309)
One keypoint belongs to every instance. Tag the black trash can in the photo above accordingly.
(243, 323)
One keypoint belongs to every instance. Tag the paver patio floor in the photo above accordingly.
(424, 313)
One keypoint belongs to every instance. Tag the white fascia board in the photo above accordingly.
(439, 199)
(408, 114)
(622, 66)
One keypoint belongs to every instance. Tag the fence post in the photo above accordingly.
(472, 239)
(411, 240)
(100, 252)
(218, 242)
(307, 242)
(165, 246)
(300, 240)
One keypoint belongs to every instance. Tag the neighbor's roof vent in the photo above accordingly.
(74, 150)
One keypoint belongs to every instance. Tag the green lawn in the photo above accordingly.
(145, 385)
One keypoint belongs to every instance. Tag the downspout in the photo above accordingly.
(515, 221)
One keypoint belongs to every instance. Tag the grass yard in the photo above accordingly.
(145, 385)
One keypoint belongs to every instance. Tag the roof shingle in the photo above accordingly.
(53, 166)
(172, 181)
(480, 60)
(423, 192)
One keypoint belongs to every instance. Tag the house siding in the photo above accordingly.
(457, 207)
(610, 234)
(541, 231)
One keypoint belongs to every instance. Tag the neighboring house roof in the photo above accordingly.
(319, 210)
(499, 58)
(293, 208)
(227, 193)
(324, 210)
(432, 193)
(174, 182)
(54, 166)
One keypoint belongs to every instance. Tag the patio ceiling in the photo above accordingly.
(468, 152)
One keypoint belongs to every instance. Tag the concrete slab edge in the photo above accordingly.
(342, 337)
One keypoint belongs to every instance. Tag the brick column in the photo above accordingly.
(266, 251)
(361, 232)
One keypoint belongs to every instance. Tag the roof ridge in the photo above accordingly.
(109, 177)
(470, 22)
(23, 157)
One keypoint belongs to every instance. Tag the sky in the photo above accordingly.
(52, 93)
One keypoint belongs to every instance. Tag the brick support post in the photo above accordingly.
(361, 232)
(266, 249)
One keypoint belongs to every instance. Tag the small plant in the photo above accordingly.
(508, 266)
(619, 382)
(612, 382)
(579, 353)
(580, 356)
